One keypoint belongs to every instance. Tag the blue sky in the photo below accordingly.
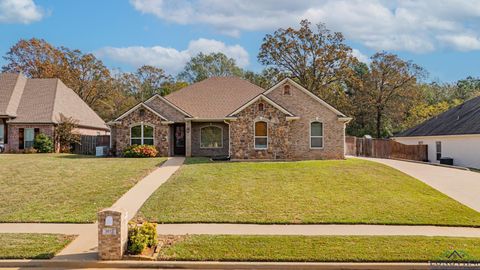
(440, 35)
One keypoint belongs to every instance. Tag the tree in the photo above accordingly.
(147, 81)
(266, 78)
(316, 57)
(390, 88)
(203, 66)
(65, 134)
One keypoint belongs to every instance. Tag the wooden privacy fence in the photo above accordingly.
(384, 148)
(88, 143)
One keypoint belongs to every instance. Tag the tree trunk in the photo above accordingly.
(379, 122)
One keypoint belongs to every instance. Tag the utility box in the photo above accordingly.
(112, 233)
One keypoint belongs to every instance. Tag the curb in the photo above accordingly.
(211, 265)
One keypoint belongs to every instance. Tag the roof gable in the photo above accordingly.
(266, 99)
(310, 94)
(460, 120)
(11, 90)
(141, 104)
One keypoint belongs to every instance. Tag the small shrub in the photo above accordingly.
(43, 143)
(140, 237)
(139, 151)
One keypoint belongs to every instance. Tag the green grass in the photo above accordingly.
(64, 188)
(321, 248)
(31, 246)
(335, 191)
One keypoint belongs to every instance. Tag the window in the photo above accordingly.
(2, 133)
(141, 134)
(316, 135)
(439, 150)
(211, 137)
(261, 135)
(286, 90)
(261, 107)
(28, 138)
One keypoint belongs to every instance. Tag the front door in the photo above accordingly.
(179, 139)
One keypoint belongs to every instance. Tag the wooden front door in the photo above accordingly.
(179, 139)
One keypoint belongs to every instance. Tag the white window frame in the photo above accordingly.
(142, 138)
(259, 137)
(2, 133)
(221, 140)
(310, 135)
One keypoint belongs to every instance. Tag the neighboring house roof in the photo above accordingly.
(43, 101)
(461, 120)
(214, 98)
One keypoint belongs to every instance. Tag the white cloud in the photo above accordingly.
(360, 56)
(410, 25)
(170, 59)
(19, 11)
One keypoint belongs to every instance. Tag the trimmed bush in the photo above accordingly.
(43, 143)
(140, 237)
(140, 151)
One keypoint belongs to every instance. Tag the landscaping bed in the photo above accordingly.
(32, 246)
(321, 248)
(64, 187)
(349, 191)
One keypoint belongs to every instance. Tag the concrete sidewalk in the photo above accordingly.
(310, 230)
(461, 185)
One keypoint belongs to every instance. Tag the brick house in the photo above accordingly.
(32, 106)
(229, 116)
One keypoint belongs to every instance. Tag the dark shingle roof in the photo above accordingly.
(463, 119)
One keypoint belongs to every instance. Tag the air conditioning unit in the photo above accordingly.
(101, 151)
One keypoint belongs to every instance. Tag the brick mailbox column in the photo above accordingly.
(112, 233)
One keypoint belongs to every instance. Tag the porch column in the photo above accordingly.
(188, 138)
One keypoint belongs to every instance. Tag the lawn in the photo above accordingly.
(334, 191)
(31, 246)
(64, 188)
(322, 248)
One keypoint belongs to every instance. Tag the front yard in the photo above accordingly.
(64, 188)
(335, 191)
(322, 248)
(31, 246)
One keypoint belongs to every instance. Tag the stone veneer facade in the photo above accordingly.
(198, 151)
(242, 133)
(308, 109)
(121, 131)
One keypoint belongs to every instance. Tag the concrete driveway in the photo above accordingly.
(461, 185)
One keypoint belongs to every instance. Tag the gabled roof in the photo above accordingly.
(169, 103)
(215, 97)
(43, 101)
(463, 119)
(312, 95)
(265, 98)
(141, 104)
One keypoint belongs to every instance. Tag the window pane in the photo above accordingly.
(211, 137)
(316, 142)
(2, 131)
(261, 143)
(136, 131)
(147, 131)
(261, 129)
(148, 141)
(317, 129)
(135, 141)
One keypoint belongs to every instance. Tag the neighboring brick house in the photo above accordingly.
(229, 116)
(32, 106)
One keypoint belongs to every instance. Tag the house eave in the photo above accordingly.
(198, 119)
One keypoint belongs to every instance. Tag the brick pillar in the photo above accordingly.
(112, 233)
(188, 138)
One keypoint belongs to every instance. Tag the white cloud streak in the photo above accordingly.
(171, 59)
(19, 11)
(408, 25)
